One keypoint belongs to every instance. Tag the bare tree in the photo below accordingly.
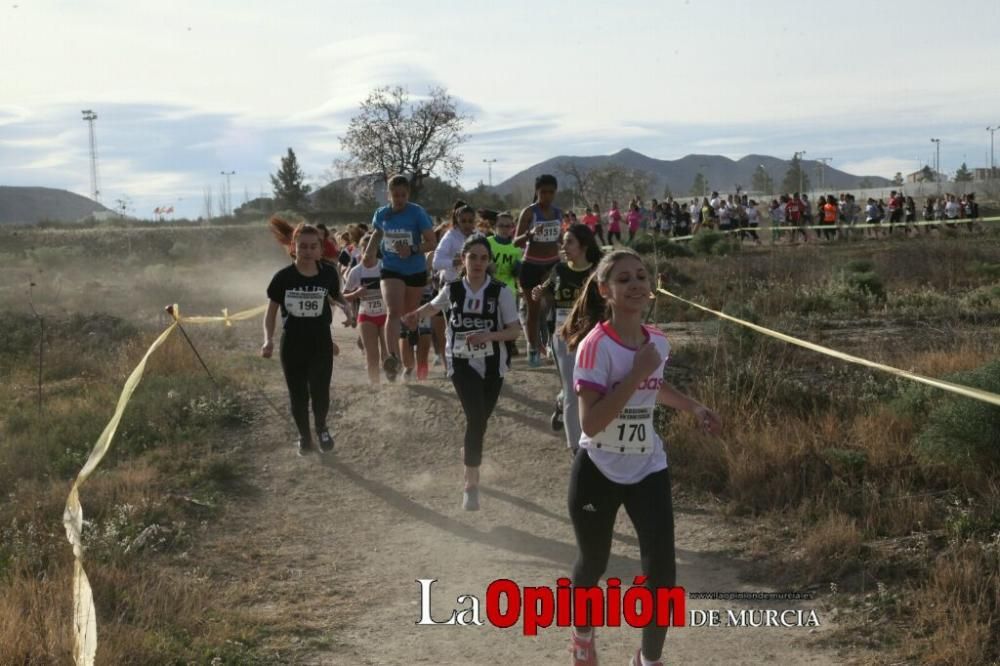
(394, 134)
(608, 182)
(208, 203)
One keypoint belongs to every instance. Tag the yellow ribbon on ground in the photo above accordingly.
(84, 613)
(967, 391)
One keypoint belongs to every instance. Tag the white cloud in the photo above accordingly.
(887, 167)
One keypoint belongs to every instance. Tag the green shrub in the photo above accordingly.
(962, 432)
(704, 241)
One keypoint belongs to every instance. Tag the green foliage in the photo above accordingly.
(962, 432)
(288, 183)
(762, 181)
(705, 241)
(796, 179)
(699, 188)
(963, 175)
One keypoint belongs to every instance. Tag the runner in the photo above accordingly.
(619, 380)
(363, 284)
(404, 232)
(304, 291)
(614, 224)
(481, 314)
(563, 286)
(634, 218)
(448, 253)
(506, 260)
(593, 223)
(538, 232)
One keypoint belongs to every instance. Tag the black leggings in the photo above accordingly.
(479, 396)
(594, 501)
(308, 364)
(612, 235)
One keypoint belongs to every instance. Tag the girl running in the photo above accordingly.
(619, 381)
(562, 288)
(506, 259)
(404, 232)
(634, 220)
(364, 284)
(448, 253)
(538, 231)
(481, 316)
(305, 291)
(614, 224)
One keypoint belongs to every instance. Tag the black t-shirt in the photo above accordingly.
(566, 284)
(303, 299)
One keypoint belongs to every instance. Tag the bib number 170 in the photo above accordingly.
(631, 432)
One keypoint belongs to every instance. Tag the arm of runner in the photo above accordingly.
(598, 410)
(509, 333)
(411, 319)
(371, 250)
(429, 240)
(523, 233)
(671, 397)
(270, 317)
(444, 254)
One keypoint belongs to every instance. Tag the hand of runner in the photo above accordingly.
(479, 337)
(267, 349)
(410, 320)
(403, 249)
(709, 420)
(536, 293)
(647, 359)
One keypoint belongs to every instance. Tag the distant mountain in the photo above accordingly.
(722, 173)
(33, 204)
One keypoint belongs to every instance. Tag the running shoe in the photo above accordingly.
(391, 366)
(470, 499)
(407, 374)
(438, 360)
(305, 446)
(584, 652)
(336, 348)
(361, 345)
(534, 361)
(637, 659)
(325, 441)
(556, 422)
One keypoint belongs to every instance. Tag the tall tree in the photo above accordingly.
(699, 188)
(927, 174)
(762, 181)
(963, 175)
(796, 179)
(394, 134)
(290, 192)
(897, 180)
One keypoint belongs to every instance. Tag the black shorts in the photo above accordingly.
(532, 275)
(413, 280)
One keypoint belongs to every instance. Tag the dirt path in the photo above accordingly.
(329, 550)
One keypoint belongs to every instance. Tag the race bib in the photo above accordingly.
(562, 314)
(392, 237)
(302, 303)
(548, 232)
(461, 348)
(631, 433)
(373, 306)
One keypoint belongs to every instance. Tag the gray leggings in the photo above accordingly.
(565, 362)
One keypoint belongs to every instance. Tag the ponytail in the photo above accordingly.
(287, 235)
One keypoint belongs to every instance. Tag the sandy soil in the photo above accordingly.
(333, 545)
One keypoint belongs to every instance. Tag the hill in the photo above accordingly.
(33, 204)
(723, 174)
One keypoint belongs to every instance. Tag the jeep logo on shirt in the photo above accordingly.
(465, 323)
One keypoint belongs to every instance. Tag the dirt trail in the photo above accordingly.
(329, 550)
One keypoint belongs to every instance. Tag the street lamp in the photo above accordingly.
(489, 165)
(937, 161)
(993, 167)
(798, 156)
(228, 193)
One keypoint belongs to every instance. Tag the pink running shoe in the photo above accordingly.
(584, 652)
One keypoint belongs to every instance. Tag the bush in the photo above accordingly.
(704, 241)
(962, 432)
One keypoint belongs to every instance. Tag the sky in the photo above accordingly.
(187, 89)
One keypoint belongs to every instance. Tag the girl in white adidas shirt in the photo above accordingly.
(619, 381)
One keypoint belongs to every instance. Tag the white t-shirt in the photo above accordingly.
(507, 307)
(371, 299)
(602, 361)
(951, 210)
(445, 253)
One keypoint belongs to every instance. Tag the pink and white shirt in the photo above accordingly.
(629, 449)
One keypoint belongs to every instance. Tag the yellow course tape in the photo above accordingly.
(84, 613)
(967, 391)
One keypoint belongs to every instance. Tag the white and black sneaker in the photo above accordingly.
(325, 441)
(556, 421)
(470, 499)
(408, 374)
(305, 446)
